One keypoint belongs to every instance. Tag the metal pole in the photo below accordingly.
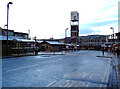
(29, 34)
(65, 37)
(7, 26)
(113, 33)
(76, 37)
(33, 47)
(7, 23)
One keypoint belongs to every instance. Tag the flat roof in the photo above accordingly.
(10, 38)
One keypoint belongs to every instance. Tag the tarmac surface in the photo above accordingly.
(74, 69)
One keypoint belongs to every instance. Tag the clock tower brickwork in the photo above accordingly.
(74, 27)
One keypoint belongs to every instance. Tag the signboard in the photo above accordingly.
(74, 16)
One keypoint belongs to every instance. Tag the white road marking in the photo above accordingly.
(54, 61)
(66, 75)
(51, 83)
(21, 68)
(58, 60)
(90, 76)
(84, 74)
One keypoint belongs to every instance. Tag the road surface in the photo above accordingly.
(75, 69)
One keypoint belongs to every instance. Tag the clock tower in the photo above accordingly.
(74, 22)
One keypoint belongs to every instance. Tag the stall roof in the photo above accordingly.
(39, 41)
(10, 38)
(25, 40)
(53, 42)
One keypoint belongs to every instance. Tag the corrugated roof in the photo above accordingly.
(39, 41)
(53, 42)
(25, 40)
(16, 38)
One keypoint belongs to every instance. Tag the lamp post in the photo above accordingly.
(29, 34)
(5, 26)
(65, 37)
(113, 33)
(7, 23)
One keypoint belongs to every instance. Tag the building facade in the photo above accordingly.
(93, 42)
(13, 33)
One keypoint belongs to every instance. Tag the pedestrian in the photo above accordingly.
(107, 48)
(118, 52)
(103, 50)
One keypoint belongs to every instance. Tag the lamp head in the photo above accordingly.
(10, 3)
(66, 28)
(111, 28)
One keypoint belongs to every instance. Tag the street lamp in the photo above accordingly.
(65, 37)
(29, 34)
(113, 32)
(7, 23)
(5, 26)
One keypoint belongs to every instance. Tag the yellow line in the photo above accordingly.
(72, 83)
(100, 86)
(67, 80)
(77, 85)
(108, 73)
(105, 72)
(66, 85)
(88, 84)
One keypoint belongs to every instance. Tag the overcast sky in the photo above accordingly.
(50, 18)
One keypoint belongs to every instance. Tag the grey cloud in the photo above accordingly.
(86, 28)
(99, 24)
(86, 31)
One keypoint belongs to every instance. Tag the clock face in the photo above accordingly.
(74, 16)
